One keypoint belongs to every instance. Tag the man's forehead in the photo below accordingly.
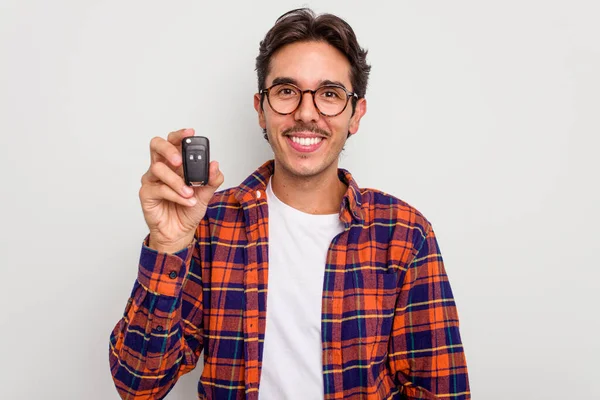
(309, 63)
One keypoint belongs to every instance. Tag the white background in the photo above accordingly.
(483, 115)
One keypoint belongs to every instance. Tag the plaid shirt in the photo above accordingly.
(390, 327)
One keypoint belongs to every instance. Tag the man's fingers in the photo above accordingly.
(164, 192)
(148, 178)
(176, 137)
(160, 172)
(161, 149)
(169, 149)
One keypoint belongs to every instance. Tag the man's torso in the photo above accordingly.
(362, 271)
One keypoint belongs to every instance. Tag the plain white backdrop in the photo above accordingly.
(483, 115)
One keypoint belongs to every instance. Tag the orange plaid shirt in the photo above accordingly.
(390, 326)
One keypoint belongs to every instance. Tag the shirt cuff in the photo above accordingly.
(164, 273)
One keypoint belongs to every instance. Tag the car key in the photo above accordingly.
(195, 152)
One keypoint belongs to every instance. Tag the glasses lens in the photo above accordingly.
(284, 98)
(331, 100)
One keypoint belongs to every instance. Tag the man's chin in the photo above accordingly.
(303, 167)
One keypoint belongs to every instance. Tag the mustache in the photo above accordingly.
(305, 128)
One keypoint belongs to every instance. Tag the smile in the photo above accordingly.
(304, 141)
(305, 144)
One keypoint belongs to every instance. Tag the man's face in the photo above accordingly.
(308, 65)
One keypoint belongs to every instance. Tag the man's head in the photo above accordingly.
(302, 53)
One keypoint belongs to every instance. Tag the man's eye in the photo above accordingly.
(331, 94)
(286, 92)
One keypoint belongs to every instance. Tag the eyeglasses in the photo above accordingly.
(329, 100)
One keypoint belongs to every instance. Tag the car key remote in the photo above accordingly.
(195, 153)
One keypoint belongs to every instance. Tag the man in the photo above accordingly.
(297, 284)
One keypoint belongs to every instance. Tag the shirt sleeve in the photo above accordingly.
(159, 337)
(426, 353)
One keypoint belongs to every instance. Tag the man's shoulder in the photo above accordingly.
(382, 206)
(224, 198)
(231, 197)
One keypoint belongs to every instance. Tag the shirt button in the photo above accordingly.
(173, 275)
(258, 194)
(159, 328)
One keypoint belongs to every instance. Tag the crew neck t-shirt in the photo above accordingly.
(292, 355)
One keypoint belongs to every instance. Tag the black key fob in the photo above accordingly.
(195, 154)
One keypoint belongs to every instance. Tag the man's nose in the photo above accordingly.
(307, 112)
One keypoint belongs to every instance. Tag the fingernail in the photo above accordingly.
(176, 159)
(193, 201)
(188, 130)
(187, 190)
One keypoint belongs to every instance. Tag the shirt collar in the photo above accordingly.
(350, 208)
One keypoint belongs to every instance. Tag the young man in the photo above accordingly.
(297, 284)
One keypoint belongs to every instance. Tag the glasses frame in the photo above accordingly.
(349, 95)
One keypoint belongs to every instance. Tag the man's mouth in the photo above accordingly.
(305, 143)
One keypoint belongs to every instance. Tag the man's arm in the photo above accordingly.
(425, 353)
(159, 337)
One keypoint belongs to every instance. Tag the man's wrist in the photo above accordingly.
(170, 248)
(162, 271)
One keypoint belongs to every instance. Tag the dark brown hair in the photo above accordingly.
(302, 25)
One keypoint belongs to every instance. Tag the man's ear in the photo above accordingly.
(359, 111)
(261, 113)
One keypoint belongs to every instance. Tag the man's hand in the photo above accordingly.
(172, 209)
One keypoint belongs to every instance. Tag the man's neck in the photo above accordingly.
(320, 194)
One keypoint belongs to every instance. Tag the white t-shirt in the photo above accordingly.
(292, 366)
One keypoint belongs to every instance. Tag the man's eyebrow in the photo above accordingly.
(285, 79)
(328, 82)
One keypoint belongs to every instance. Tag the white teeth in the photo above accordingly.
(306, 141)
